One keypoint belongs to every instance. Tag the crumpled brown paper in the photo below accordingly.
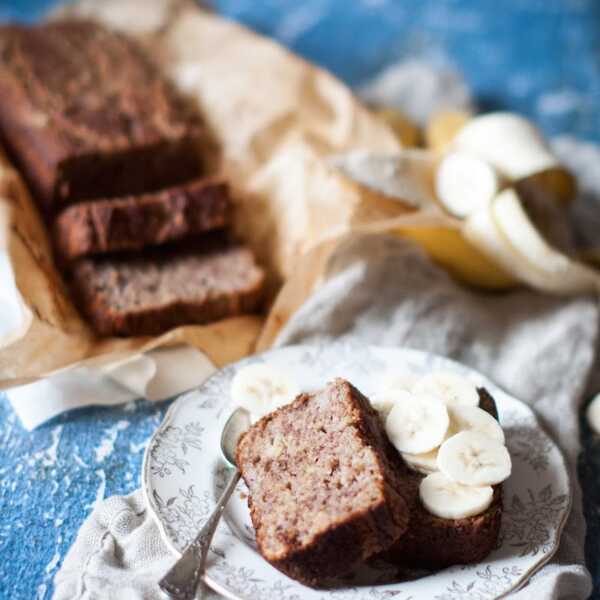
(277, 119)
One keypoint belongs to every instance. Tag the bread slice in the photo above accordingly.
(325, 492)
(135, 222)
(434, 543)
(86, 114)
(153, 292)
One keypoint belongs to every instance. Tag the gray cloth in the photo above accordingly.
(118, 554)
(537, 347)
(382, 290)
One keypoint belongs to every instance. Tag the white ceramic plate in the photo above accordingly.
(183, 474)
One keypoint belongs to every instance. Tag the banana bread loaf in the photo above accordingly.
(85, 114)
(325, 490)
(152, 292)
(135, 222)
(434, 543)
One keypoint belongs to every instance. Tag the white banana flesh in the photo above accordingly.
(450, 500)
(398, 381)
(383, 404)
(391, 383)
(508, 142)
(451, 389)
(417, 423)
(465, 183)
(563, 273)
(506, 234)
(593, 414)
(474, 459)
(261, 389)
(424, 463)
(473, 418)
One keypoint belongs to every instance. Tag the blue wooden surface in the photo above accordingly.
(540, 57)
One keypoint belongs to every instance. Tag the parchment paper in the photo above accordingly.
(276, 119)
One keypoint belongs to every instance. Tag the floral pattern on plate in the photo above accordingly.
(183, 474)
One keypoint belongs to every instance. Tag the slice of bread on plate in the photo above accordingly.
(325, 491)
(431, 542)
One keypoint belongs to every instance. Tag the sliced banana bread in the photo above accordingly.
(86, 114)
(155, 291)
(434, 543)
(135, 222)
(325, 489)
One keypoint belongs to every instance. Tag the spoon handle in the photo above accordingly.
(181, 582)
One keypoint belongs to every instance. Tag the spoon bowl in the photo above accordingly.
(236, 425)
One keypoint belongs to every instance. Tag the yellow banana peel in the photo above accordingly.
(406, 131)
(447, 246)
(442, 127)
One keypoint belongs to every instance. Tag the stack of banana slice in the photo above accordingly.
(436, 424)
(484, 170)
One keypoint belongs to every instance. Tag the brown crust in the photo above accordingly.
(338, 550)
(434, 543)
(141, 295)
(135, 222)
(86, 114)
(346, 542)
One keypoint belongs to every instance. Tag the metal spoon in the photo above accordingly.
(182, 579)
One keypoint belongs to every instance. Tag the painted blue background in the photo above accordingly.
(540, 57)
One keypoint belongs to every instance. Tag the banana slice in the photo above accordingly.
(462, 418)
(473, 458)
(465, 183)
(447, 499)
(425, 463)
(392, 383)
(473, 418)
(417, 423)
(260, 389)
(508, 237)
(398, 381)
(383, 404)
(451, 389)
(593, 414)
